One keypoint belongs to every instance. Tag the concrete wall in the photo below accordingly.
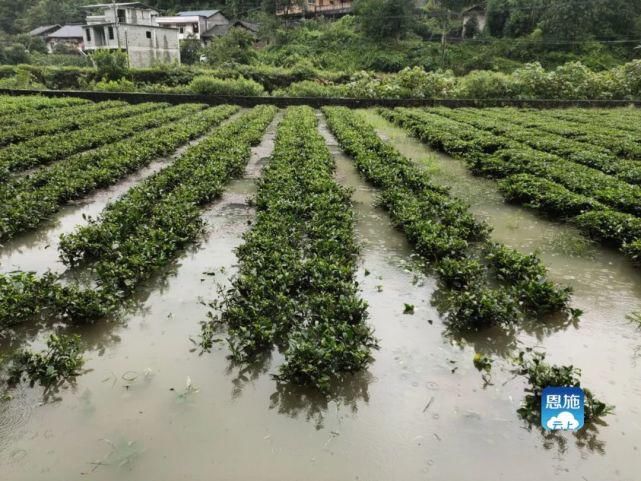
(136, 16)
(218, 19)
(145, 45)
(185, 26)
(162, 47)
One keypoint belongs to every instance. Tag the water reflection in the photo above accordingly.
(586, 439)
(349, 392)
(248, 373)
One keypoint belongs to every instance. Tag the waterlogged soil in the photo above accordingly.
(605, 343)
(37, 250)
(152, 407)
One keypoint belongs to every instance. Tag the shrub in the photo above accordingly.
(235, 87)
(234, 47)
(310, 88)
(61, 361)
(122, 85)
(483, 84)
(483, 307)
(540, 375)
(111, 65)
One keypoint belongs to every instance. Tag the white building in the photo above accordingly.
(133, 28)
(193, 24)
(475, 16)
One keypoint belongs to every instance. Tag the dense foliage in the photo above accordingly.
(540, 375)
(144, 229)
(61, 361)
(567, 20)
(147, 227)
(570, 81)
(490, 284)
(29, 200)
(295, 287)
(574, 170)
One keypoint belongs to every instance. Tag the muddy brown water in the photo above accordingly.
(421, 411)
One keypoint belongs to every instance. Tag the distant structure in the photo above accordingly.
(313, 8)
(473, 18)
(43, 31)
(194, 24)
(133, 28)
(222, 30)
(70, 36)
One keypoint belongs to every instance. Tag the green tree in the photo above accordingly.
(577, 20)
(385, 19)
(234, 47)
(444, 16)
(111, 65)
(190, 49)
(32, 44)
(565, 20)
(16, 54)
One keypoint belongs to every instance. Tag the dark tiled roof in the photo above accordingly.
(67, 31)
(44, 29)
(220, 30)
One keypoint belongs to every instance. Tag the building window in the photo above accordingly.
(181, 29)
(110, 31)
(195, 27)
(88, 35)
(122, 16)
(148, 34)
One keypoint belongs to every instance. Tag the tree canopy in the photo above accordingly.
(384, 19)
(565, 20)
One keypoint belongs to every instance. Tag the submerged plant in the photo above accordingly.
(482, 362)
(635, 317)
(489, 284)
(482, 307)
(540, 375)
(61, 361)
(296, 285)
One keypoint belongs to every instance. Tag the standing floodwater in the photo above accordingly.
(151, 407)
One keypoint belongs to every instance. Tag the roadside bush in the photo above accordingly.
(122, 85)
(310, 88)
(14, 54)
(111, 65)
(169, 75)
(484, 84)
(214, 86)
(234, 47)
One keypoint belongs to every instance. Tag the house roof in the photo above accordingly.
(177, 20)
(198, 13)
(42, 30)
(220, 30)
(474, 8)
(137, 25)
(111, 5)
(67, 31)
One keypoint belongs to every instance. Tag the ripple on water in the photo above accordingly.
(14, 413)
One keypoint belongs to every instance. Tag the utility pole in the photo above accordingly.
(444, 30)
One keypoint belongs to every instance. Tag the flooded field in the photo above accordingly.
(152, 406)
